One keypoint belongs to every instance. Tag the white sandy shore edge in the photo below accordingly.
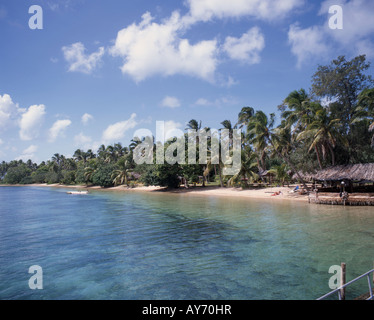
(266, 193)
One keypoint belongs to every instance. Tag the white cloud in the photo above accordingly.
(319, 40)
(86, 118)
(79, 61)
(31, 149)
(230, 82)
(82, 141)
(172, 129)
(357, 29)
(57, 129)
(150, 49)
(357, 15)
(364, 47)
(57, 5)
(1, 141)
(31, 121)
(219, 102)
(205, 10)
(7, 109)
(307, 43)
(170, 102)
(247, 48)
(203, 102)
(28, 154)
(116, 132)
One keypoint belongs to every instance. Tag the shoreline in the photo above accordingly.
(211, 191)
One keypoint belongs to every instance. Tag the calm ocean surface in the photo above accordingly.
(115, 245)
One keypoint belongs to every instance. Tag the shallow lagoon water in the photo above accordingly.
(141, 245)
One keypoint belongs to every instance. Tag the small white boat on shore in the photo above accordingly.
(77, 192)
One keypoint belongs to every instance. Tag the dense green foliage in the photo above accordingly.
(332, 124)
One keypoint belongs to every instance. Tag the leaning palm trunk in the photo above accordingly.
(220, 176)
(318, 157)
(332, 154)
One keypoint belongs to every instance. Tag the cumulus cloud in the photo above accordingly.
(307, 43)
(357, 15)
(57, 129)
(79, 61)
(219, 102)
(7, 110)
(172, 129)
(151, 48)
(28, 153)
(319, 40)
(170, 102)
(31, 121)
(203, 102)
(116, 132)
(86, 118)
(247, 48)
(82, 141)
(205, 10)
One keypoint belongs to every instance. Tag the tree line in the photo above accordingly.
(330, 124)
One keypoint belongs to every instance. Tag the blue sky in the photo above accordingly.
(100, 70)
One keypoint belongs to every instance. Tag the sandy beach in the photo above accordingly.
(212, 191)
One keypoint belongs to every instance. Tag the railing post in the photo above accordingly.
(373, 277)
(343, 281)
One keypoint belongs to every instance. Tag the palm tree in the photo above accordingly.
(284, 140)
(298, 110)
(323, 133)
(281, 173)
(69, 164)
(244, 117)
(88, 173)
(119, 151)
(121, 175)
(79, 155)
(196, 126)
(110, 154)
(193, 125)
(134, 143)
(262, 135)
(212, 165)
(371, 129)
(58, 159)
(301, 112)
(101, 152)
(247, 169)
(366, 106)
(228, 126)
(258, 131)
(90, 155)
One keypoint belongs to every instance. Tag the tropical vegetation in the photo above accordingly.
(331, 124)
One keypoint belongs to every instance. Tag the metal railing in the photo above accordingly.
(339, 290)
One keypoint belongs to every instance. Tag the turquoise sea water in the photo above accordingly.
(116, 245)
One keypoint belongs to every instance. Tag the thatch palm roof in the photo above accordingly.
(353, 172)
(303, 175)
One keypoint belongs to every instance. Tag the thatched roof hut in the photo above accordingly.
(304, 175)
(351, 172)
